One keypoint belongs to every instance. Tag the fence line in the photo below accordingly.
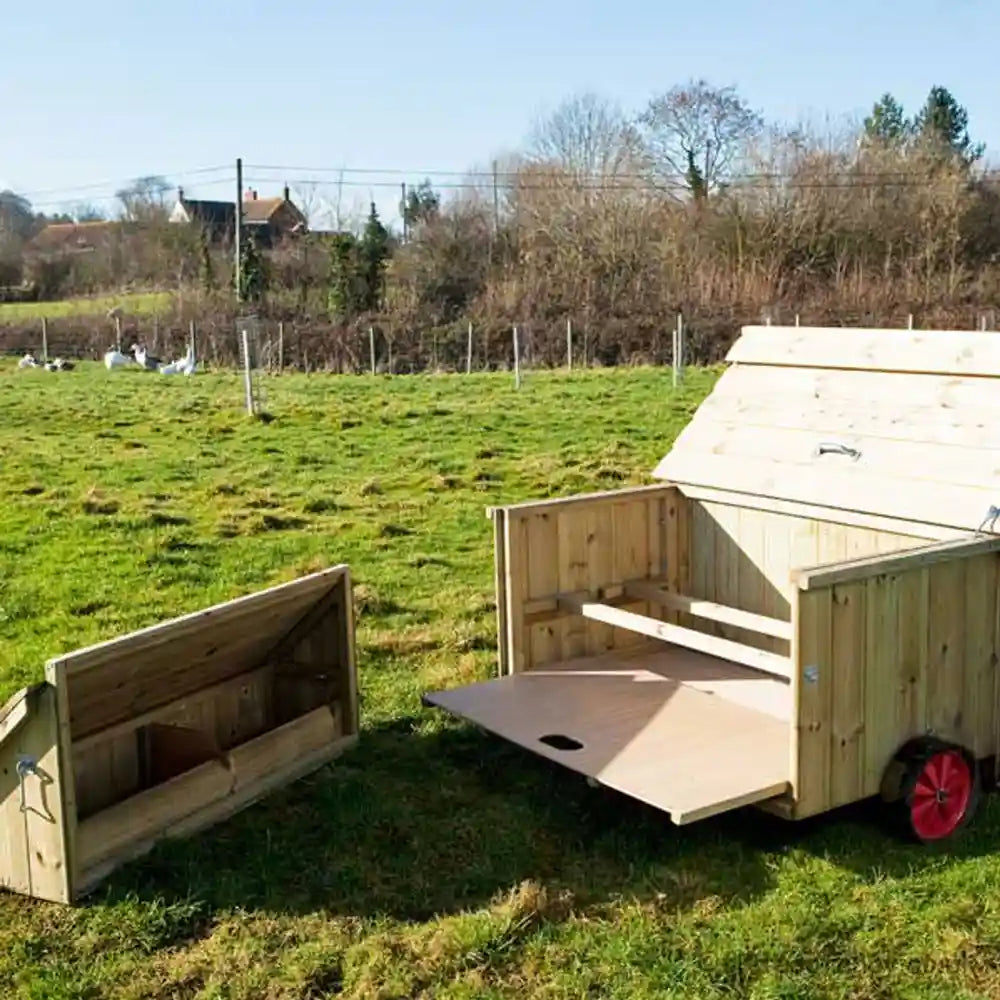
(461, 347)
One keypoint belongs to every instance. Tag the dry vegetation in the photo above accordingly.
(599, 220)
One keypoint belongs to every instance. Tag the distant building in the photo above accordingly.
(61, 238)
(270, 220)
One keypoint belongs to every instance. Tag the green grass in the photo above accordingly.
(139, 303)
(431, 861)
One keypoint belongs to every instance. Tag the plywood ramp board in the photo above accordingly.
(880, 422)
(631, 723)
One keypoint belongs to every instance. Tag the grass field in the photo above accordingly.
(139, 304)
(431, 861)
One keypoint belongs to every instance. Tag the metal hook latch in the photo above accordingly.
(828, 447)
(25, 765)
(991, 518)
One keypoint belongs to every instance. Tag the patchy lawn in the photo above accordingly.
(431, 861)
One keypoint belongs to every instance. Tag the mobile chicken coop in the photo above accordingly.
(171, 729)
(802, 613)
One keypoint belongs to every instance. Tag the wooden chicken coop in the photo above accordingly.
(171, 729)
(800, 614)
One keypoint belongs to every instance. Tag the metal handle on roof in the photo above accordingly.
(828, 447)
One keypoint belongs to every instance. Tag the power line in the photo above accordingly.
(198, 171)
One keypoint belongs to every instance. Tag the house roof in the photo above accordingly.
(260, 209)
(72, 235)
(218, 213)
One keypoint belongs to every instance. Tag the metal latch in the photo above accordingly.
(25, 765)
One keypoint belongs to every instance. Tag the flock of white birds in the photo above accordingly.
(138, 355)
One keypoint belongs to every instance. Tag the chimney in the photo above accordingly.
(286, 193)
(180, 194)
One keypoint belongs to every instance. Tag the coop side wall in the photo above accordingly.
(589, 543)
(740, 556)
(885, 658)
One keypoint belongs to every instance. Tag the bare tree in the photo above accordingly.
(144, 199)
(587, 136)
(694, 133)
(307, 199)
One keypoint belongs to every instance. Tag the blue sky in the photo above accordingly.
(96, 93)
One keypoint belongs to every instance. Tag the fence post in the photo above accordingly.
(569, 344)
(678, 348)
(247, 383)
(468, 352)
(192, 334)
(45, 340)
(281, 346)
(517, 361)
(371, 346)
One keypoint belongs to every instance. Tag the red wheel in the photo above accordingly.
(932, 788)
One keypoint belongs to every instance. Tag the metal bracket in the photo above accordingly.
(811, 674)
(827, 447)
(25, 765)
(991, 518)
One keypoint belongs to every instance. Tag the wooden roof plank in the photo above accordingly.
(948, 352)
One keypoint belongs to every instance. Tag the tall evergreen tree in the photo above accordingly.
(374, 258)
(943, 123)
(887, 123)
(342, 298)
(253, 269)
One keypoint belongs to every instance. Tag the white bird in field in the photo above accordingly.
(145, 360)
(28, 361)
(115, 359)
(182, 366)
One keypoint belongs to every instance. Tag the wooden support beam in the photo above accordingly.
(648, 591)
(853, 570)
(737, 652)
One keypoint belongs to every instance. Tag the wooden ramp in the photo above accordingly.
(635, 724)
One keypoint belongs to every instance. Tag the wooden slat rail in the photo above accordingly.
(646, 591)
(652, 591)
(853, 570)
(737, 652)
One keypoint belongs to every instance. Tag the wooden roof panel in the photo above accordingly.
(904, 427)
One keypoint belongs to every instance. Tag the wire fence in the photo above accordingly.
(466, 347)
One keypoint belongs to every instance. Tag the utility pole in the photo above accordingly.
(402, 209)
(239, 229)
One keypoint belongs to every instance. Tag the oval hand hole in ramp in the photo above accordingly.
(560, 742)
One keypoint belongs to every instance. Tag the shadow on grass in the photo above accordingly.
(417, 822)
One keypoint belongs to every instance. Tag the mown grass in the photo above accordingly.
(431, 861)
(138, 304)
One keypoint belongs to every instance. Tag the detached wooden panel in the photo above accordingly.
(200, 716)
